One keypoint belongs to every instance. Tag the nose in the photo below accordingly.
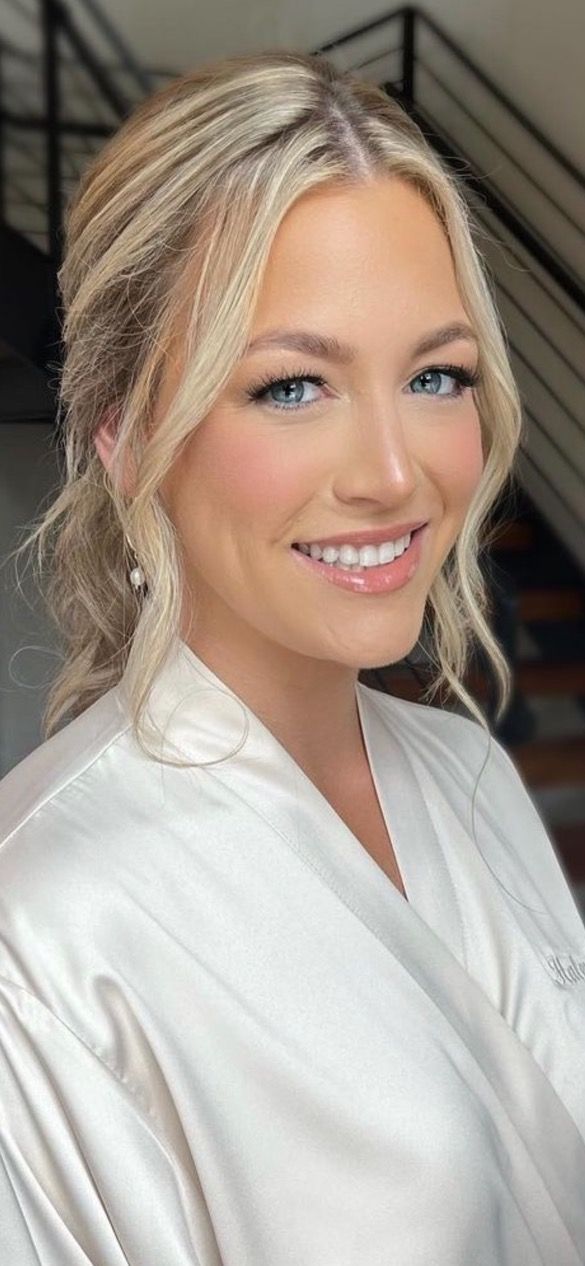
(378, 463)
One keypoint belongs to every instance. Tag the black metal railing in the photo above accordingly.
(82, 100)
(65, 67)
(60, 97)
(407, 24)
(402, 50)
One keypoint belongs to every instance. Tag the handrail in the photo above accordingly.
(453, 153)
(538, 281)
(527, 123)
(564, 289)
(558, 351)
(529, 457)
(56, 19)
(542, 253)
(127, 58)
(364, 29)
(38, 122)
(494, 199)
(51, 84)
(412, 13)
(503, 148)
(57, 15)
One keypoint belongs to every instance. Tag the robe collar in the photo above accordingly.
(203, 720)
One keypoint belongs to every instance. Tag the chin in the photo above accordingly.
(377, 656)
(368, 663)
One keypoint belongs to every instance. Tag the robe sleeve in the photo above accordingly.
(85, 1177)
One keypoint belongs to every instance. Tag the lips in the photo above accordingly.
(372, 536)
(381, 579)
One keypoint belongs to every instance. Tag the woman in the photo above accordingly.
(290, 971)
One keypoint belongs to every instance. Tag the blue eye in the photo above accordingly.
(462, 377)
(259, 392)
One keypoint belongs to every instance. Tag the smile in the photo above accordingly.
(354, 557)
(379, 575)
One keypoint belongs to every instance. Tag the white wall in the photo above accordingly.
(533, 49)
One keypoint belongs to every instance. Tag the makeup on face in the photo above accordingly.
(350, 413)
(375, 577)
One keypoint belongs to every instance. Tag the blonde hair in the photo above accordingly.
(199, 177)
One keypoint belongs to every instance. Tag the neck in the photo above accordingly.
(308, 704)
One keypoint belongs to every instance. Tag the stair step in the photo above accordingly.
(541, 565)
(562, 603)
(516, 534)
(536, 677)
(531, 677)
(556, 641)
(569, 841)
(551, 762)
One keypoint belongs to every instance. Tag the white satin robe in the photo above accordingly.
(227, 1038)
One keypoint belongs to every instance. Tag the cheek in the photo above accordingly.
(249, 477)
(257, 479)
(458, 465)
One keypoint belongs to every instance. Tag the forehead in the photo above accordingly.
(370, 246)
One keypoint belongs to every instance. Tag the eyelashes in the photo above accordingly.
(259, 392)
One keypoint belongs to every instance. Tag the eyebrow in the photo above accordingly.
(330, 348)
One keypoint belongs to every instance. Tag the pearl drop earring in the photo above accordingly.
(136, 575)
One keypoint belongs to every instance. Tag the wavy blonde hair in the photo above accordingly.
(199, 177)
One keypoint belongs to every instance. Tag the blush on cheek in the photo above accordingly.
(254, 477)
(472, 458)
(460, 462)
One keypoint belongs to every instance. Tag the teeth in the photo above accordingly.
(347, 556)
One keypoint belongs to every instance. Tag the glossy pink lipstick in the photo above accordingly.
(380, 579)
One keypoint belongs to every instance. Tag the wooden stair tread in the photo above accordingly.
(557, 612)
(517, 534)
(566, 602)
(541, 678)
(532, 677)
(551, 762)
(568, 839)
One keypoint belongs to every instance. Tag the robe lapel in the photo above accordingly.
(204, 720)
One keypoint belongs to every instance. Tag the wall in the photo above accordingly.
(533, 49)
(28, 476)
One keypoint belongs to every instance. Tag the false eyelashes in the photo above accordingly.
(258, 392)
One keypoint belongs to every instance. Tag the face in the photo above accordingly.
(382, 438)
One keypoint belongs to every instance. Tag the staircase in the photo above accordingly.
(550, 680)
(528, 197)
(60, 100)
(527, 200)
(544, 726)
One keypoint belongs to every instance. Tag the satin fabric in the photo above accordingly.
(227, 1038)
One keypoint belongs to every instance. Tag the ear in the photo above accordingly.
(104, 438)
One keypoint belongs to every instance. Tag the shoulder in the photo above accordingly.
(60, 858)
